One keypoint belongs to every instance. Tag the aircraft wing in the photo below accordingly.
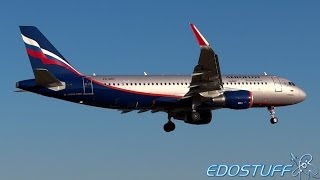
(206, 75)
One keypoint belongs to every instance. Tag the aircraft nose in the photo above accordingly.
(302, 95)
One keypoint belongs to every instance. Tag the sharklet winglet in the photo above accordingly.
(201, 40)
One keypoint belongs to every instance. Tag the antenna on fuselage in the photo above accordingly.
(145, 73)
(265, 74)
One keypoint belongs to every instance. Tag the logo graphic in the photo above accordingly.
(304, 167)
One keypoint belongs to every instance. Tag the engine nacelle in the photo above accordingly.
(241, 99)
(205, 117)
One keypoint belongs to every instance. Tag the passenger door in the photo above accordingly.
(277, 84)
(87, 86)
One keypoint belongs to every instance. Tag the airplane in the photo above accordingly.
(189, 98)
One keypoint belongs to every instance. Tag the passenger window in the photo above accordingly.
(152, 84)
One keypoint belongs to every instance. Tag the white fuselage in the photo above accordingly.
(266, 90)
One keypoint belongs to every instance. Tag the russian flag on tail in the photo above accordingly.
(43, 55)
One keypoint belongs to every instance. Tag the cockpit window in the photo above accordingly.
(291, 84)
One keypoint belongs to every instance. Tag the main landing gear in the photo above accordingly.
(272, 112)
(195, 116)
(169, 126)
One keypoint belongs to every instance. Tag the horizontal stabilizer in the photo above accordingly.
(46, 79)
(21, 90)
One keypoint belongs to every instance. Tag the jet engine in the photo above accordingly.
(241, 99)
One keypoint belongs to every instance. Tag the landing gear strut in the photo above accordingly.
(169, 126)
(272, 112)
(195, 115)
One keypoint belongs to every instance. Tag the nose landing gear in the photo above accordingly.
(169, 126)
(272, 112)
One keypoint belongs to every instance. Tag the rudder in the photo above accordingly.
(43, 55)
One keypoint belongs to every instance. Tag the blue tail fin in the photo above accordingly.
(43, 55)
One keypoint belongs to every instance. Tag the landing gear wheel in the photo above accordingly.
(274, 120)
(272, 112)
(196, 116)
(169, 126)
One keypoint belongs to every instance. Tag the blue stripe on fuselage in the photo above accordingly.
(103, 96)
(108, 96)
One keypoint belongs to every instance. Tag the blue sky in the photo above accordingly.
(43, 138)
